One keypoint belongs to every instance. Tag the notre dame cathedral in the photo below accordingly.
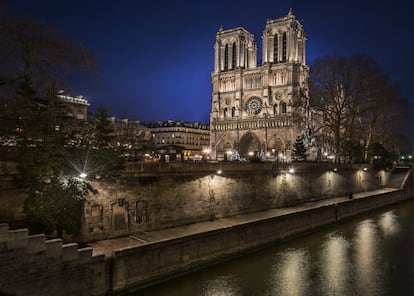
(259, 109)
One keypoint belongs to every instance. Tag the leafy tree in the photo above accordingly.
(56, 204)
(381, 158)
(36, 60)
(299, 149)
(95, 151)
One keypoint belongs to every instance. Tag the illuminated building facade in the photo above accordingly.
(180, 140)
(77, 106)
(259, 109)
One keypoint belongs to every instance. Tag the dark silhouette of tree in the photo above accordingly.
(35, 62)
(355, 105)
(299, 149)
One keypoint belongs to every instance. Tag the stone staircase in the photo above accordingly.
(397, 176)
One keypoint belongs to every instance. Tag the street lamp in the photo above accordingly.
(83, 175)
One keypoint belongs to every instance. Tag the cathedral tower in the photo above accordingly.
(259, 109)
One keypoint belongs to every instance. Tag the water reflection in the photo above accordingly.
(291, 273)
(335, 266)
(388, 223)
(366, 258)
(222, 286)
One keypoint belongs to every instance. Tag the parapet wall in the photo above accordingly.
(32, 265)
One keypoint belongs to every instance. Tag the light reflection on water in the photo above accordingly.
(290, 274)
(222, 286)
(366, 258)
(334, 265)
(362, 257)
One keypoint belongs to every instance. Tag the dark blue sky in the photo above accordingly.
(156, 57)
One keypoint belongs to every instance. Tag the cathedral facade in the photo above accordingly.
(259, 110)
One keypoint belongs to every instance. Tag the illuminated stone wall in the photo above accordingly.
(177, 194)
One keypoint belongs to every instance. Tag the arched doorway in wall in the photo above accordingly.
(249, 143)
(276, 147)
(222, 148)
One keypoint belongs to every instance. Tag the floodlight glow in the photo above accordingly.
(291, 170)
(83, 175)
(219, 172)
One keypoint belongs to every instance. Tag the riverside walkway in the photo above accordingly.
(108, 246)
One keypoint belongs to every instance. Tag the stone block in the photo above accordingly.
(54, 248)
(85, 254)
(18, 238)
(36, 243)
(4, 232)
(70, 252)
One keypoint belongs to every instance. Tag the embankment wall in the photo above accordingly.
(32, 265)
(157, 196)
(152, 262)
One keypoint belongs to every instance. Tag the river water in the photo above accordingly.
(370, 256)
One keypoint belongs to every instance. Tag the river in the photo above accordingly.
(370, 256)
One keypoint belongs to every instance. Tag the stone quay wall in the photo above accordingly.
(154, 262)
(162, 195)
(32, 265)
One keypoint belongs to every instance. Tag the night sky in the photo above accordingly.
(156, 57)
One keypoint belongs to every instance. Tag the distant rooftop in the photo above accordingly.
(172, 123)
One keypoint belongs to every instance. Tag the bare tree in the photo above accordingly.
(354, 104)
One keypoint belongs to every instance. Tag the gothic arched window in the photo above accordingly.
(226, 57)
(233, 58)
(283, 107)
(275, 109)
(276, 48)
(284, 47)
(225, 112)
(233, 111)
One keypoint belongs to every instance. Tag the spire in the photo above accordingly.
(221, 28)
(290, 12)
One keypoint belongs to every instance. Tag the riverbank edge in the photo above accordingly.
(134, 268)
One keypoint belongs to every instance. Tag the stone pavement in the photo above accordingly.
(108, 246)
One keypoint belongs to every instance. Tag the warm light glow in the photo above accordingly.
(82, 175)
(388, 223)
(335, 169)
(251, 153)
(206, 151)
(291, 170)
(291, 273)
(219, 172)
(335, 265)
(365, 169)
(366, 256)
